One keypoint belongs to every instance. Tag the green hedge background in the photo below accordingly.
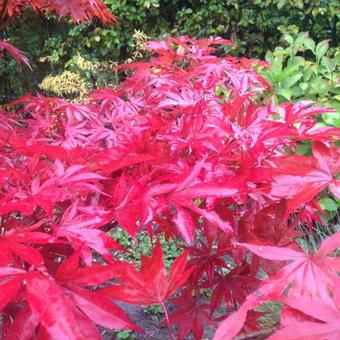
(256, 27)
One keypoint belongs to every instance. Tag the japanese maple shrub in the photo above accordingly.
(190, 146)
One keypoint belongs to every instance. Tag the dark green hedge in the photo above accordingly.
(255, 26)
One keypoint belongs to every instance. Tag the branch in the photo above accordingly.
(167, 320)
(3, 11)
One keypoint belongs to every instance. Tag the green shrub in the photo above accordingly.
(305, 69)
(253, 25)
(302, 69)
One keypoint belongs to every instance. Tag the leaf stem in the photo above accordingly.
(167, 320)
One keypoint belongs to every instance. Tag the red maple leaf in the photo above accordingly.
(301, 178)
(191, 316)
(234, 287)
(17, 240)
(318, 321)
(208, 255)
(79, 308)
(18, 55)
(151, 284)
(308, 277)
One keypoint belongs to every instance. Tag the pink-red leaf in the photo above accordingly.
(101, 310)
(49, 305)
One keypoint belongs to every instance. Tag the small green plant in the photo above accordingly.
(304, 69)
(142, 246)
(155, 309)
(125, 335)
(156, 313)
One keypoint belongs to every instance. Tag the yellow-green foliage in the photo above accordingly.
(66, 83)
(139, 44)
(88, 65)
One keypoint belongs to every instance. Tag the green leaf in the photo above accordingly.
(304, 149)
(309, 44)
(337, 97)
(332, 119)
(276, 66)
(288, 38)
(303, 86)
(328, 63)
(328, 204)
(281, 3)
(299, 41)
(290, 81)
(288, 71)
(321, 49)
(285, 93)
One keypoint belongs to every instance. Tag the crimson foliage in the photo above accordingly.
(79, 10)
(190, 146)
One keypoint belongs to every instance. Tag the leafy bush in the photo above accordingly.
(189, 148)
(80, 11)
(68, 83)
(306, 70)
(253, 26)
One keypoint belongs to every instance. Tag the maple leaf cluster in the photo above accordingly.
(189, 146)
(78, 10)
